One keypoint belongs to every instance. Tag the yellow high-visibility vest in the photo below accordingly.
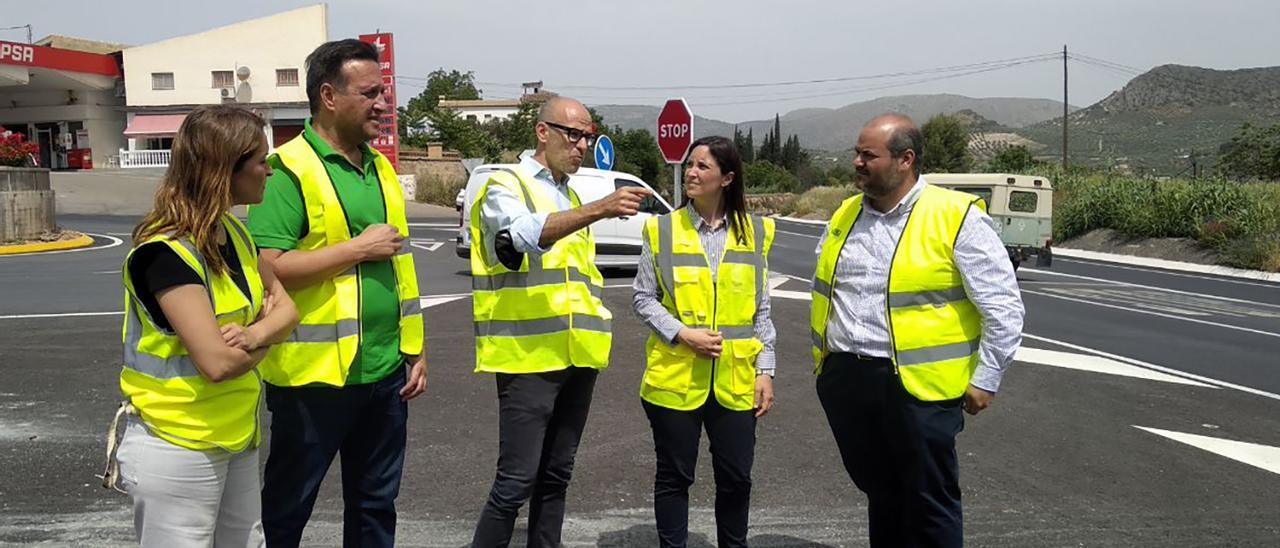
(934, 328)
(547, 314)
(675, 376)
(160, 379)
(321, 349)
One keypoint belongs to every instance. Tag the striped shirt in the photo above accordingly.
(859, 323)
(647, 301)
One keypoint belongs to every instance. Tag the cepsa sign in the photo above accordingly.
(388, 140)
(27, 55)
(17, 53)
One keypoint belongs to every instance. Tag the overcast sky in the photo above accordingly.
(656, 43)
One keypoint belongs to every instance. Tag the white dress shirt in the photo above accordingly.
(859, 322)
(505, 210)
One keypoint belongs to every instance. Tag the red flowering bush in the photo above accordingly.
(15, 151)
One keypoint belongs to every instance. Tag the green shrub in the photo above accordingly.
(1241, 221)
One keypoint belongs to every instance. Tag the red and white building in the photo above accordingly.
(95, 104)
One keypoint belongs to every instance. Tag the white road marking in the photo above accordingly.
(58, 315)
(813, 236)
(427, 301)
(427, 245)
(1157, 288)
(114, 241)
(1098, 364)
(1160, 314)
(1168, 273)
(1153, 367)
(1073, 284)
(806, 295)
(1265, 457)
(436, 300)
(789, 294)
(800, 221)
(1166, 265)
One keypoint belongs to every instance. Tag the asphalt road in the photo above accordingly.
(1121, 424)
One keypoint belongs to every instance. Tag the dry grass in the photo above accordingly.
(433, 189)
(817, 202)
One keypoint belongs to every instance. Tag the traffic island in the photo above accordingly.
(49, 241)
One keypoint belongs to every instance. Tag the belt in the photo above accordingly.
(857, 357)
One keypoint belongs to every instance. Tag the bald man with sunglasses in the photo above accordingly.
(540, 325)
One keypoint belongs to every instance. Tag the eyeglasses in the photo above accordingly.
(574, 134)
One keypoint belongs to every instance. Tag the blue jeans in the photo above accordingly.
(365, 423)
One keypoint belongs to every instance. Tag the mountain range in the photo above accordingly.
(1157, 123)
(834, 129)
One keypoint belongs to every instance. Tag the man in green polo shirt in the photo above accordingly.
(332, 224)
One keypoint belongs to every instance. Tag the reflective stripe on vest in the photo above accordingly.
(676, 377)
(160, 379)
(327, 339)
(933, 326)
(547, 314)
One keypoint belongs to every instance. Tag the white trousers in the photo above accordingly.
(185, 498)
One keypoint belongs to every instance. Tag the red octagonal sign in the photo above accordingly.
(675, 130)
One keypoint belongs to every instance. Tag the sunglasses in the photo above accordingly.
(574, 134)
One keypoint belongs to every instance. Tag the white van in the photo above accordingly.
(618, 241)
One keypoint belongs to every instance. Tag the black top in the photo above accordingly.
(156, 267)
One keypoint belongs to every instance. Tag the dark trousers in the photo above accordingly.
(365, 424)
(900, 451)
(540, 421)
(675, 439)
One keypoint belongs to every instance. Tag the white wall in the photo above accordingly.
(278, 41)
(493, 113)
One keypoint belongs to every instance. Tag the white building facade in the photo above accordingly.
(257, 64)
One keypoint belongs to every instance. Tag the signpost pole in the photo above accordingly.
(676, 190)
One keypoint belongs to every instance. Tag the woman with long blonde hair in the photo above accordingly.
(201, 310)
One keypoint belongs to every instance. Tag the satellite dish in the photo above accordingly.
(242, 73)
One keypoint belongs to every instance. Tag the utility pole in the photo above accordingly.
(26, 26)
(1064, 109)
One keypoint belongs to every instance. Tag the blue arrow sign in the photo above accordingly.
(604, 153)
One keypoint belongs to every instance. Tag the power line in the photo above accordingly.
(935, 70)
(795, 95)
(879, 87)
(938, 73)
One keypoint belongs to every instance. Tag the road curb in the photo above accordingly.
(1224, 271)
(1165, 264)
(83, 241)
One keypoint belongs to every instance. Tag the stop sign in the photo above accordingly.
(675, 130)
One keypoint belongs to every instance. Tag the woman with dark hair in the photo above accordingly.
(201, 310)
(702, 288)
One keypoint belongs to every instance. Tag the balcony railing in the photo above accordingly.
(144, 158)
